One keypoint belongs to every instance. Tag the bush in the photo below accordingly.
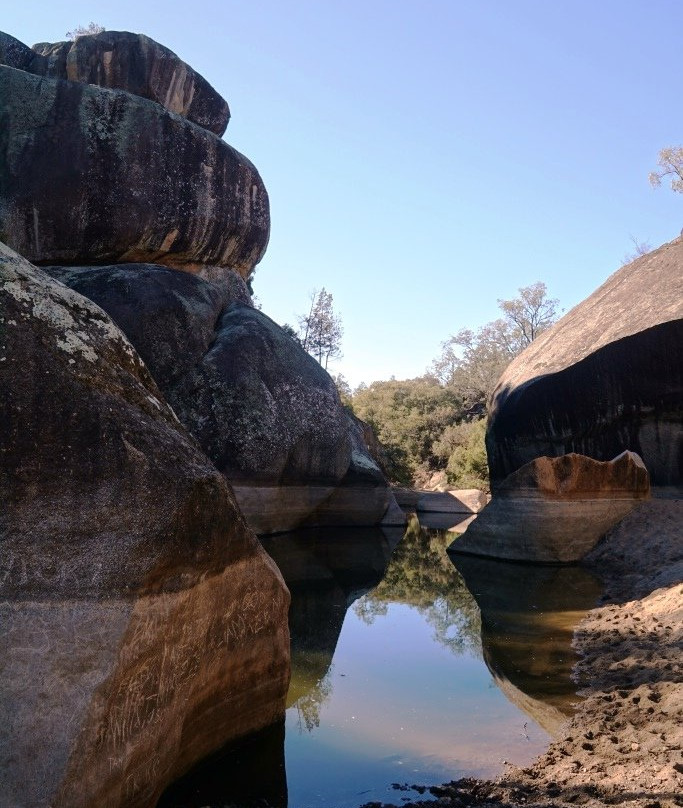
(467, 464)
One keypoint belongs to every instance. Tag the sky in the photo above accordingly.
(425, 159)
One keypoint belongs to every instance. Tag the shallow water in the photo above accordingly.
(398, 676)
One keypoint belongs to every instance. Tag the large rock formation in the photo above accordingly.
(137, 64)
(607, 377)
(556, 509)
(263, 410)
(92, 175)
(143, 624)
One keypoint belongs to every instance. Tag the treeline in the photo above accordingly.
(436, 423)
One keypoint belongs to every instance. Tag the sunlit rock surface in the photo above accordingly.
(607, 377)
(263, 409)
(143, 624)
(93, 175)
(104, 702)
(467, 500)
(555, 510)
(528, 617)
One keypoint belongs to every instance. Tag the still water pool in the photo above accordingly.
(409, 666)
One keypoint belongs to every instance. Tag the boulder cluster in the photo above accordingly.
(152, 418)
(114, 177)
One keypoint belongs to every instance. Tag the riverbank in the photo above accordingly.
(624, 745)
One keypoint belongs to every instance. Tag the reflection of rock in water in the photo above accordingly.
(528, 616)
(251, 773)
(326, 570)
(104, 703)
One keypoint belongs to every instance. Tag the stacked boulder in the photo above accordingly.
(115, 176)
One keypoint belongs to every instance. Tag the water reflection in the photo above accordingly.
(528, 616)
(420, 574)
(392, 659)
(326, 570)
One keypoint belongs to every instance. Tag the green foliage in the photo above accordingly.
(467, 464)
(309, 705)
(408, 417)
(425, 424)
(344, 390)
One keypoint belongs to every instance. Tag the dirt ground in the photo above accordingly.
(624, 746)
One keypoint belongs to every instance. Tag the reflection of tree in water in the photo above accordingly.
(308, 706)
(420, 574)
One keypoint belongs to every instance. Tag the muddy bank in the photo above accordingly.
(625, 743)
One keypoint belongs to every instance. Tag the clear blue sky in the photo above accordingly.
(426, 158)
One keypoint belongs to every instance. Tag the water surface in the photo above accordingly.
(398, 676)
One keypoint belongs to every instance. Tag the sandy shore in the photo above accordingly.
(625, 743)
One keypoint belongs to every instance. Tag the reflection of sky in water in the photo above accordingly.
(392, 686)
(401, 708)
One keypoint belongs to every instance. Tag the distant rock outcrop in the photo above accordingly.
(93, 175)
(607, 377)
(116, 533)
(556, 509)
(263, 410)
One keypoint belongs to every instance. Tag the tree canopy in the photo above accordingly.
(670, 164)
(472, 362)
(408, 417)
(85, 30)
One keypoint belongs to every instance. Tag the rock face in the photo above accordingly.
(607, 377)
(93, 175)
(555, 510)
(14, 53)
(126, 569)
(263, 410)
(120, 60)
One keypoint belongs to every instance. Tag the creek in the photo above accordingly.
(409, 666)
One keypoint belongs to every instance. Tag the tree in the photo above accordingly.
(320, 331)
(529, 314)
(670, 165)
(472, 362)
(344, 390)
(85, 30)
